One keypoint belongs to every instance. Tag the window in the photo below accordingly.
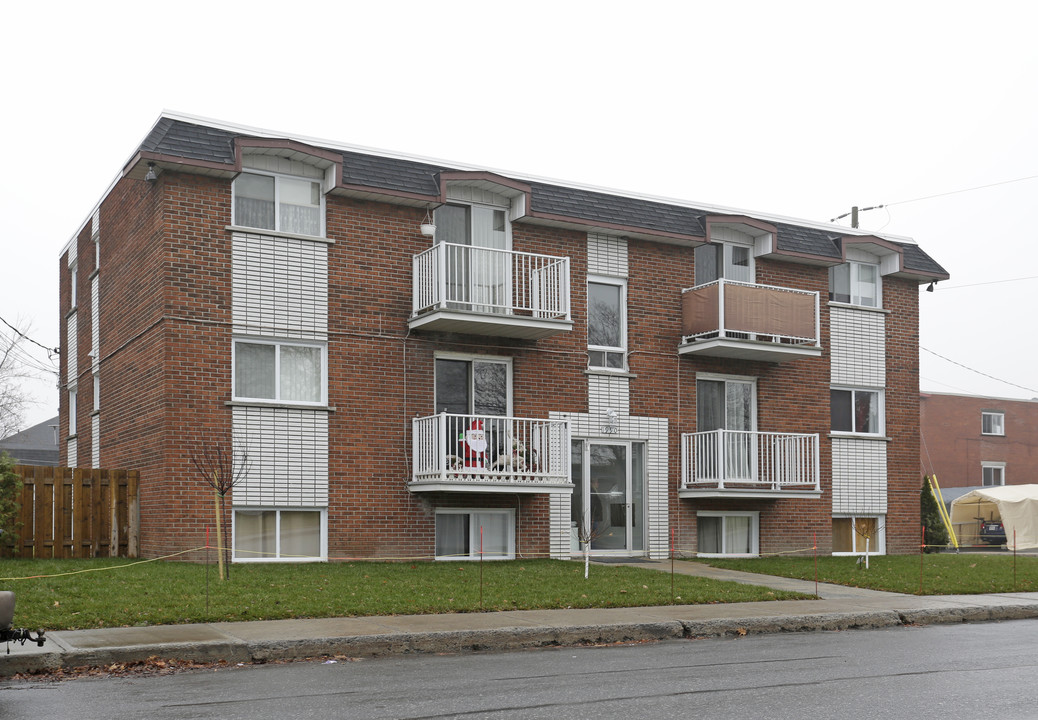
(461, 533)
(993, 473)
(723, 260)
(279, 202)
(992, 423)
(852, 534)
(280, 372)
(856, 411)
(727, 533)
(607, 323)
(289, 535)
(476, 386)
(73, 273)
(855, 283)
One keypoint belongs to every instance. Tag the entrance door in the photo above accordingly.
(607, 504)
(727, 405)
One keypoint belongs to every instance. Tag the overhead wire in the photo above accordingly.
(967, 367)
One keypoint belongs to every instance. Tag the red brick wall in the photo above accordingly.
(954, 448)
(166, 371)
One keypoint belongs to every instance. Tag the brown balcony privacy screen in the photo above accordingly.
(749, 309)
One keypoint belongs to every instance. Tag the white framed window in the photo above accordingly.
(731, 533)
(473, 384)
(855, 283)
(97, 392)
(462, 532)
(607, 323)
(856, 410)
(993, 474)
(854, 534)
(280, 534)
(278, 202)
(992, 422)
(280, 371)
(73, 276)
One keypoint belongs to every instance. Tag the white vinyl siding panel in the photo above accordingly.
(560, 544)
(280, 287)
(95, 441)
(858, 346)
(71, 346)
(859, 476)
(95, 322)
(72, 452)
(606, 255)
(651, 431)
(288, 450)
(605, 392)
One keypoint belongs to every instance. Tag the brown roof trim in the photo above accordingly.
(173, 160)
(431, 200)
(241, 143)
(623, 229)
(820, 259)
(740, 220)
(449, 176)
(846, 240)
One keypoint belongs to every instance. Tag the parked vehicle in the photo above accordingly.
(7, 633)
(992, 532)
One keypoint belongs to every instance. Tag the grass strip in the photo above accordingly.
(942, 574)
(166, 593)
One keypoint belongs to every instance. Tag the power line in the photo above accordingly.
(991, 282)
(23, 335)
(854, 211)
(967, 367)
(964, 190)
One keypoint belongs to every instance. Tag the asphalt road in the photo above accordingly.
(974, 671)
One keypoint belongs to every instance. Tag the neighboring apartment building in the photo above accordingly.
(423, 357)
(971, 441)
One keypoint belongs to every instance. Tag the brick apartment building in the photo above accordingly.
(420, 358)
(974, 441)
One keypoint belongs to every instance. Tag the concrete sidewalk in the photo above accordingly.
(837, 608)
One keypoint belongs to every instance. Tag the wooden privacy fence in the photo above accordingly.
(77, 513)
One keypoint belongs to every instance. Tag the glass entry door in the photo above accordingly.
(477, 264)
(607, 507)
(728, 405)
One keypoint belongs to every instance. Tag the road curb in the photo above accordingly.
(236, 650)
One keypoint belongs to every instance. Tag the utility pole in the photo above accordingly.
(854, 214)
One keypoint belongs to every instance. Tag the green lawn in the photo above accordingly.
(119, 593)
(942, 574)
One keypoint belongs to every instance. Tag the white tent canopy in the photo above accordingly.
(1016, 505)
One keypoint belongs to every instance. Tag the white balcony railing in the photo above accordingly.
(448, 276)
(478, 452)
(743, 460)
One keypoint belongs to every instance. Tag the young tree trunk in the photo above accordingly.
(219, 534)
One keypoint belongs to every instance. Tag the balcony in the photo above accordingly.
(471, 453)
(483, 291)
(736, 463)
(750, 322)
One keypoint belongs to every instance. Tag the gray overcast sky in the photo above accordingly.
(795, 108)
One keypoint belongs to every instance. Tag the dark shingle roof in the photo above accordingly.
(390, 173)
(192, 141)
(615, 209)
